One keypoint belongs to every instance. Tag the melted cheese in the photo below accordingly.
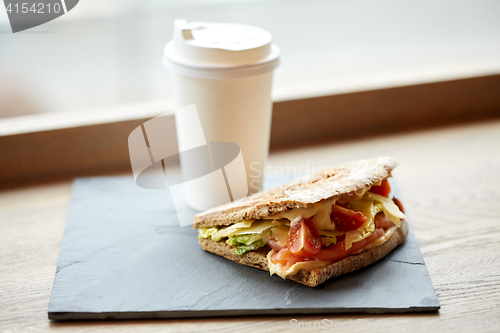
(368, 209)
(257, 227)
(280, 233)
(391, 210)
(246, 227)
(321, 209)
(294, 269)
(232, 229)
(388, 233)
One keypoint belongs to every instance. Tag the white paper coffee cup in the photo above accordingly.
(226, 70)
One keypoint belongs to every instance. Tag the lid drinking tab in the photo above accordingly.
(237, 49)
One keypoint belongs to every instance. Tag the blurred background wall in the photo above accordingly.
(108, 53)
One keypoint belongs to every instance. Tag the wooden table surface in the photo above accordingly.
(450, 183)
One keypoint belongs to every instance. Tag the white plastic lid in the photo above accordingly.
(220, 50)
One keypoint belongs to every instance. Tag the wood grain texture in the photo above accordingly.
(68, 152)
(450, 182)
(86, 149)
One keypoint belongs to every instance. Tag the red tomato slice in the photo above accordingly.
(381, 221)
(334, 252)
(384, 189)
(376, 234)
(280, 257)
(304, 239)
(287, 258)
(337, 251)
(346, 219)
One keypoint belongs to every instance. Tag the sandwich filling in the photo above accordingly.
(314, 237)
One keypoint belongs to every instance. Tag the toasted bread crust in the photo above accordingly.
(315, 277)
(346, 179)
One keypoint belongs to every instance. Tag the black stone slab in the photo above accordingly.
(124, 256)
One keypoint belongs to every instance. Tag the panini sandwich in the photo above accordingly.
(313, 228)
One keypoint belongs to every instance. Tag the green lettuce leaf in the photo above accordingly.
(253, 246)
(208, 233)
(248, 242)
(247, 239)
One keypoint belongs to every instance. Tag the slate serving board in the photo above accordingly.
(125, 256)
